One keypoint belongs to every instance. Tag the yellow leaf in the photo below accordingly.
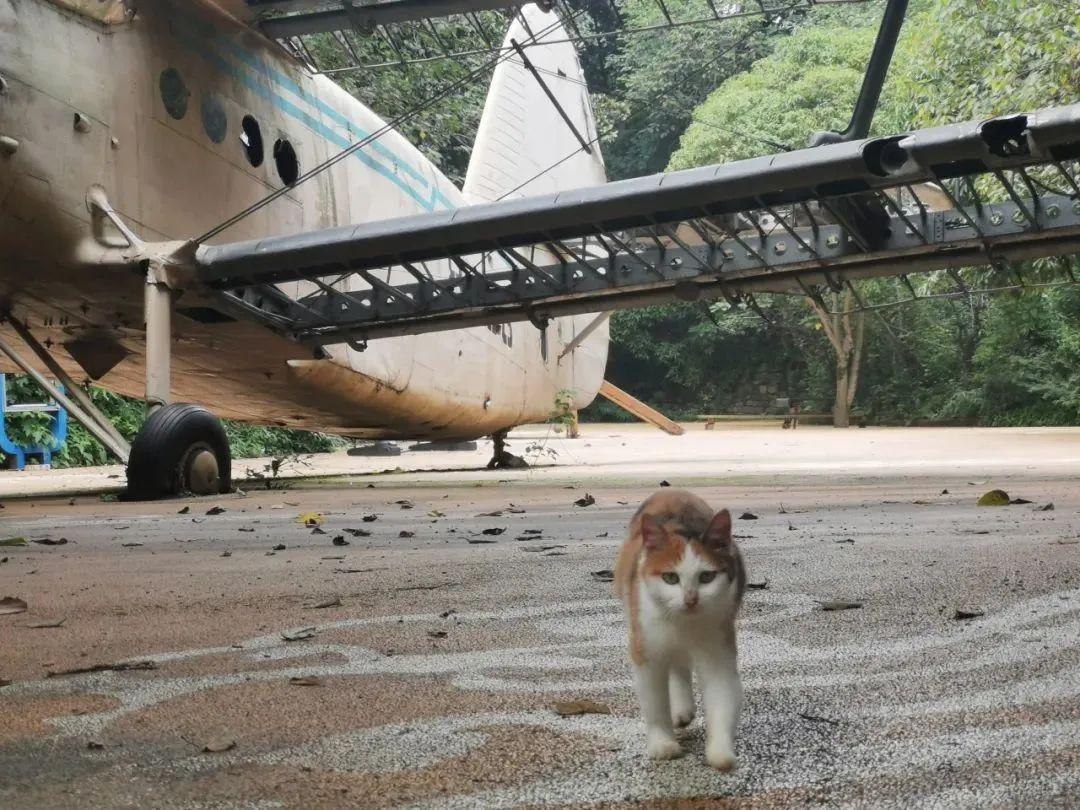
(311, 519)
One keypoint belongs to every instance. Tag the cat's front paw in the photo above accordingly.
(723, 759)
(683, 717)
(664, 747)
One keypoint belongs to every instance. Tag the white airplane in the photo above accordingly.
(188, 213)
(126, 124)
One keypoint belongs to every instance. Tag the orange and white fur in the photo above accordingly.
(681, 578)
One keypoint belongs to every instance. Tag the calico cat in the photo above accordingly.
(681, 578)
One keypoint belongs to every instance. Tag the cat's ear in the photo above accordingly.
(652, 533)
(719, 531)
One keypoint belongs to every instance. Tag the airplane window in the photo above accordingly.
(288, 167)
(174, 93)
(251, 138)
(215, 122)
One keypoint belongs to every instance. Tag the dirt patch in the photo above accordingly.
(22, 717)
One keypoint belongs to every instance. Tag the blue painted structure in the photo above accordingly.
(18, 454)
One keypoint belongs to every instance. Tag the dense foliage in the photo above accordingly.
(980, 358)
(82, 449)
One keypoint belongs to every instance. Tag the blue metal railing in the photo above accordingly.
(17, 454)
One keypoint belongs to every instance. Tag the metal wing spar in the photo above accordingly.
(815, 216)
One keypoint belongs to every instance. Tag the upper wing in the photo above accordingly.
(821, 215)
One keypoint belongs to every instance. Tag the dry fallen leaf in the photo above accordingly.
(436, 633)
(48, 541)
(839, 604)
(47, 623)
(299, 634)
(757, 586)
(218, 744)
(496, 513)
(215, 510)
(603, 576)
(748, 516)
(1047, 508)
(967, 613)
(122, 666)
(569, 708)
(493, 531)
(13, 541)
(588, 500)
(12, 604)
(995, 497)
(305, 680)
(326, 603)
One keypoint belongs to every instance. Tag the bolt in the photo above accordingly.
(833, 241)
(1053, 211)
(81, 123)
(1018, 216)
(779, 248)
(729, 253)
(996, 218)
(8, 146)
(1076, 208)
(675, 261)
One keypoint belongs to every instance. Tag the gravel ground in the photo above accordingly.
(435, 661)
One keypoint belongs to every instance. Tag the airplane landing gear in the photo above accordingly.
(181, 448)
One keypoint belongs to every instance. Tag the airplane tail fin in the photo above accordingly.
(523, 146)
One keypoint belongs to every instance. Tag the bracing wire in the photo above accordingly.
(369, 139)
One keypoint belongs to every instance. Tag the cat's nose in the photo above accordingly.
(691, 600)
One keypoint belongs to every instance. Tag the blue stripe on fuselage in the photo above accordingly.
(196, 43)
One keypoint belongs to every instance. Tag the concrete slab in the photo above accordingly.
(640, 452)
(437, 660)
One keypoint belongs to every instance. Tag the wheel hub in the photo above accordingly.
(202, 474)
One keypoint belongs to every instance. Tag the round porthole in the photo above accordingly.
(215, 122)
(288, 167)
(251, 138)
(174, 93)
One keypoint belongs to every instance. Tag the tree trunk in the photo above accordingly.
(841, 412)
(847, 342)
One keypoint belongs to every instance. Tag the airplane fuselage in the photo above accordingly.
(184, 116)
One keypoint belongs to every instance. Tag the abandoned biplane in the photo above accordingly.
(131, 134)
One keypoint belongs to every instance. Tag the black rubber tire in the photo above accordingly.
(154, 467)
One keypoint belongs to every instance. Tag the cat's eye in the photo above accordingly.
(707, 576)
(670, 578)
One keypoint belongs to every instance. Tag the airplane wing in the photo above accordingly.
(823, 215)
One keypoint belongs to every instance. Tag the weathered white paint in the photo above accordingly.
(168, 179)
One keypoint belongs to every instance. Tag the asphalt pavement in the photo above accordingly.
(410, 643)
